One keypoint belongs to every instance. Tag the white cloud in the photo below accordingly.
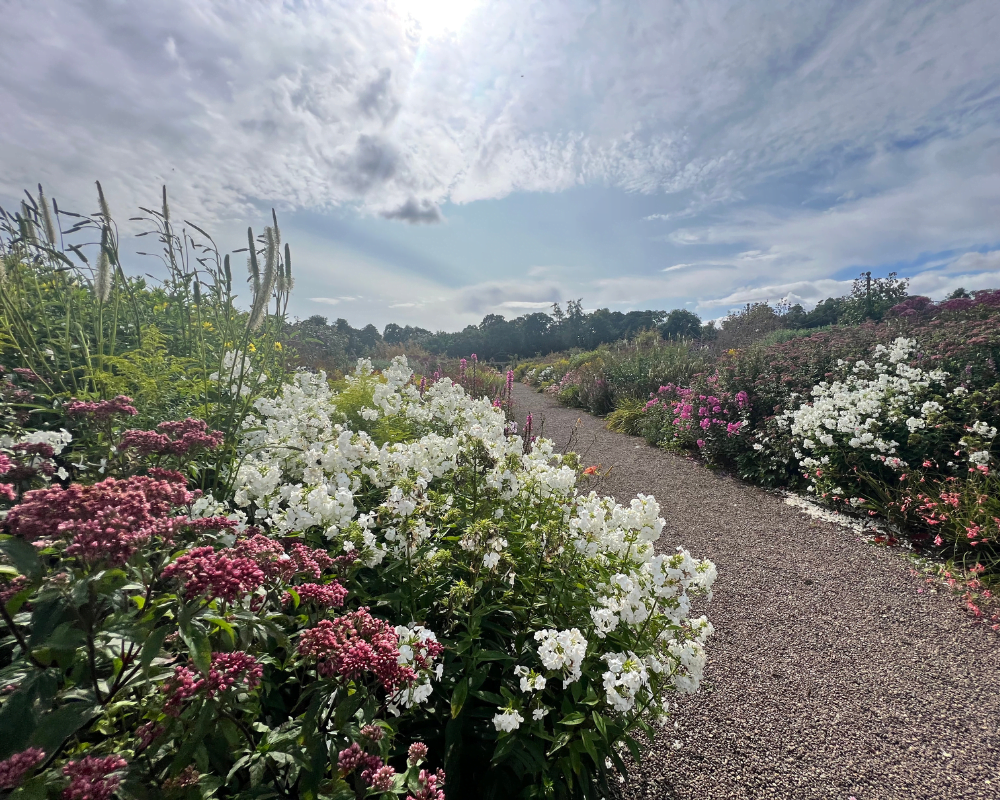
(525, 304)
(801, 139)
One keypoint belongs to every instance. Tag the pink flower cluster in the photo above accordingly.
(374, 772)
(324, 595)
(6, 489)
(431, 786)
(13, 769)
(225, 671)
(217, 574)
(172, 438)
(104, 522)
(92, 778)
(354, 644)
(692, 411)
(101, 410)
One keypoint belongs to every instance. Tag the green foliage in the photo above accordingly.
(180, 347)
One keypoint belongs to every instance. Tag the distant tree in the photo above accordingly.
(825, 313)
(959, 293)
(748, 325)
(681, 324)
(795, 317)
(393, 334)
(871, 297)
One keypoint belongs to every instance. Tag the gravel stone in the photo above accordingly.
(828, 676)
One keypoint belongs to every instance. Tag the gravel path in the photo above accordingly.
(828, 675)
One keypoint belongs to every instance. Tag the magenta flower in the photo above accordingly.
(188, 435)
(216, 574)
(355, 644)
(430, 786)
(329, 595)
(13, 769)
(102, 409)
(416, 753)
(226, 670)
(93, 778)
(106, 521)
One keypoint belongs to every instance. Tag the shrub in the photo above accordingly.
(178, 650)
(562, 628)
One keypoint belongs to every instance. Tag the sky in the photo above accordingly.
(433, 161)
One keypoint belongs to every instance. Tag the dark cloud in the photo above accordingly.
(377, 98)
(416, 212)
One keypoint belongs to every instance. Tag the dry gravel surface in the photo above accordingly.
(829, 675)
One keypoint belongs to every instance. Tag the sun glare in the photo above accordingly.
(436, 17)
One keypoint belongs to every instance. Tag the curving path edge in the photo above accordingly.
(829, 675)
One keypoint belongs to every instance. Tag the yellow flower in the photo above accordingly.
(277, 346)
(207, 326)
(251, 348)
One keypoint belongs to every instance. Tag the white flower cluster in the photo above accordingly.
(860, 410)
(625, 677)
(660, 585)
(413, 641)
(562, 651)
(507, 721)
(305, 468)
(57, 440)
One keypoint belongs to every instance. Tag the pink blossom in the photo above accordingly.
(105, 521)
(373, 733)
(188, 435)
(430, 786)
(354, 644)
(416, 753)
(102, 409)
(329, 595)
(215, 574)
(381, 779)
(91, 778)
(354, 758)
(226, 669)
(13, 769)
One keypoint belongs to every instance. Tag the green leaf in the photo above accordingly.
(633, 747)
(459, 696)
(575, 718)
(223, 625)
(23, 555)
(600, 724)
(45, 619)
(489, 697)
(154, 643)
(201, 649)
(588, 744)
(17, 722)
(57, 726)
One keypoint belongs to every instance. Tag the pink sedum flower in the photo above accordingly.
(355, 644)
(105, 522)
(227, 669)
(93, 778)
(13, 769)
(329, 595)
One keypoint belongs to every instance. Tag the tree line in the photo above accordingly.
(497, 338)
